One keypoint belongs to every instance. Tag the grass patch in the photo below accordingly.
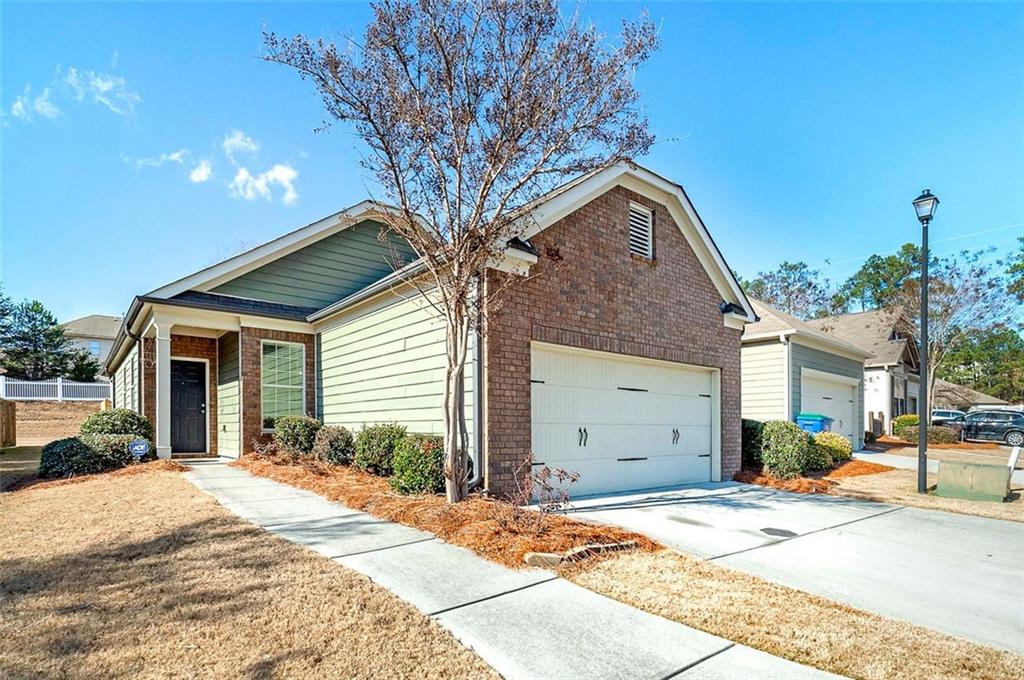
(491, 528)
(18, 465)
(786, 622)
(900, 487)
(139, 574)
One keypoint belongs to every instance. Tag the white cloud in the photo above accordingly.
(44, 107)
(201, 173)
(111, 91)
(236, 140)
(21, 108)
(250, 187)
(156, 161)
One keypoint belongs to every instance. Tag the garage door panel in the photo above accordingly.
(833, 399)
(631, 440)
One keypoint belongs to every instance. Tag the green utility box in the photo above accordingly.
(973, 481)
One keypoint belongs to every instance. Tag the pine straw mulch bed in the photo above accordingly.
(887, 442)
(141, 575)
(786, 622)
(822, 482)
(34, 482)
(493, 529)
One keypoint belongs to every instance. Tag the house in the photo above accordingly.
(891, 373)
(94, 333)
(617, 357)
(789, 367)
(947, 395)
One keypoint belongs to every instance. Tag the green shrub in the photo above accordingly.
(838, 446)
(785, 448)
(751, 446)
(334, 445)
(937, 434)
(118, 421)
(418, 464)
(375, 447)
(296, 434)
(87, 454)
(818, 458)
(900, 423)
(869, 437)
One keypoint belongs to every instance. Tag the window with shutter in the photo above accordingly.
(641, 232)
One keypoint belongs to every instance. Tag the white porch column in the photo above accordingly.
(163, 390)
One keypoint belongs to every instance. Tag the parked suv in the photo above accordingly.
(941, 417)
(1004, 426)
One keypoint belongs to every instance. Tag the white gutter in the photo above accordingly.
(787, 363)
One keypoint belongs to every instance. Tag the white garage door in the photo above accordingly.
(831, 398)
(621, 423)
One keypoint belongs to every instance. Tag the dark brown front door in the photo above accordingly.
(188, 406)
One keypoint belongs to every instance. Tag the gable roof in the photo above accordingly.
(773, 322)
(567, 198)
(93, 326)
(871, 330)
(957, 395)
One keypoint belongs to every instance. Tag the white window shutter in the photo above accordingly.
(641, 230)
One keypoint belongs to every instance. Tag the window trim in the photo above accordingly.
(302, 346)
(649, 255)
(98, 346)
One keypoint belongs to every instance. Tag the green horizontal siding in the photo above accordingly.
(325, 271)
(126, 382)
(228, 396)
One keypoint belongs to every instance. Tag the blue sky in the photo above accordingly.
(800, 131)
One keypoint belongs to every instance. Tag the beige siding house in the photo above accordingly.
(94, 333)
(791, 368)
(611, 345)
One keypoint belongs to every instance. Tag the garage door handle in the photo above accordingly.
(586, 436)
(675, 436)
(579, 440)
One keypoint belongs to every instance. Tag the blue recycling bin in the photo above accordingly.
(814, 422)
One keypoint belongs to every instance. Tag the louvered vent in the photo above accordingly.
(641, 239)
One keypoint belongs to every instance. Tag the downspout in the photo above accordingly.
(478, 401)
(787, 362)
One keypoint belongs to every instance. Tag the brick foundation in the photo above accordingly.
(588, 291)
(252, 425)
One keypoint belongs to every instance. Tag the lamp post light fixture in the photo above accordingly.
(924, 206)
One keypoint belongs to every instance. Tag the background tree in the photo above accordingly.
(1015, 271)
(81, 366)
(6, 309)
(881, 277)
(990, 360)
(795, 289)
(469, 109)
(966, 295)
(33, 344)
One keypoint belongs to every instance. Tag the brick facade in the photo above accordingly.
(252, 425)
(588, 291)
(185, 347)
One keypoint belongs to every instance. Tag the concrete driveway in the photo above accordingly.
(957, 574)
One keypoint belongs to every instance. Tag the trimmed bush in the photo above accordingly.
(418, 464)
(375, 447)
(296, 434)
(87, 454)
(785, 448)
(838, 446)
(937, 434)
(818, 458)
(751, 446)
(118, 421)
(334, 445)
(900, 423)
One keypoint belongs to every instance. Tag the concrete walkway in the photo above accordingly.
(525, 623)
(909, 463)
(954, 573)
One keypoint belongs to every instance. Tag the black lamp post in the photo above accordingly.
(925, 206)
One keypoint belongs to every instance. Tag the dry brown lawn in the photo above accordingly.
(18, 465)
(493, 529)
(142, 576)
(786, 622)
(900, 487)
(41, 422)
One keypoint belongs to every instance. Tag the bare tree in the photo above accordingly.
(966, 294)
(469, 111)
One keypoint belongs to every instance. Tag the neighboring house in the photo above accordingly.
(94, 333)
(891, 373)
(791, 368)
(949, 395)
(618, 357)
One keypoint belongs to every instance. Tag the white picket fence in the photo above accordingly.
(58, 389)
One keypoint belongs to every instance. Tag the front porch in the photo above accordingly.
(212, 383)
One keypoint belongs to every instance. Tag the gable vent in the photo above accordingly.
(641, 237)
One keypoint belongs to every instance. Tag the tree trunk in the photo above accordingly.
(455, 437)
